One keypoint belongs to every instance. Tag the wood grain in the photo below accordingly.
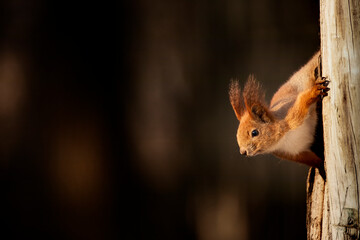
(340, 50)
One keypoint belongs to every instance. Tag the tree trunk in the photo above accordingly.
(333, 204)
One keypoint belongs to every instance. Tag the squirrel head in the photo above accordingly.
(257, 124)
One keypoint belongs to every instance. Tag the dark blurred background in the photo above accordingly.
(116, 124)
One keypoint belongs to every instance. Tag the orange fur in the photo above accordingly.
(235, 99)
(286, 128)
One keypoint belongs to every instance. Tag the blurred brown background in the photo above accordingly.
(116, 124)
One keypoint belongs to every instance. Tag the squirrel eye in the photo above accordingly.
(254, 133)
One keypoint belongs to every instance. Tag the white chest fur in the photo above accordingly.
(299, 139)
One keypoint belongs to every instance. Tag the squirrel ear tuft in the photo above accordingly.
(235, 99)
(260, 113)
(253, 93)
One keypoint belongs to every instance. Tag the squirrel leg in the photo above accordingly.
(299, 111)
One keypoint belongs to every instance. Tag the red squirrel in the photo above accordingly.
(286, 128)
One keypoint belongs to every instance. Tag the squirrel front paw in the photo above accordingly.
(318, 91)
(321, 84)
(320, 88)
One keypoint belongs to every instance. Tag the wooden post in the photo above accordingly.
(338, 196)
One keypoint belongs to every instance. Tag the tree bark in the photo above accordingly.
(315, 198)
(338, 196)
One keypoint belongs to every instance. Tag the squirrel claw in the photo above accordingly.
(323, 81)
(324, 91)
(321, 86)
(324, 94)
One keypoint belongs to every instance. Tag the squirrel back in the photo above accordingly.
(300, 81)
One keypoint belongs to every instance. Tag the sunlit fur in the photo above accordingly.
(269, 135)
(286, 127)
(235, 99)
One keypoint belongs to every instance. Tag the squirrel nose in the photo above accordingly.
(243, 152)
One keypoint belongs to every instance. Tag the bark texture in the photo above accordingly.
(338, 197)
